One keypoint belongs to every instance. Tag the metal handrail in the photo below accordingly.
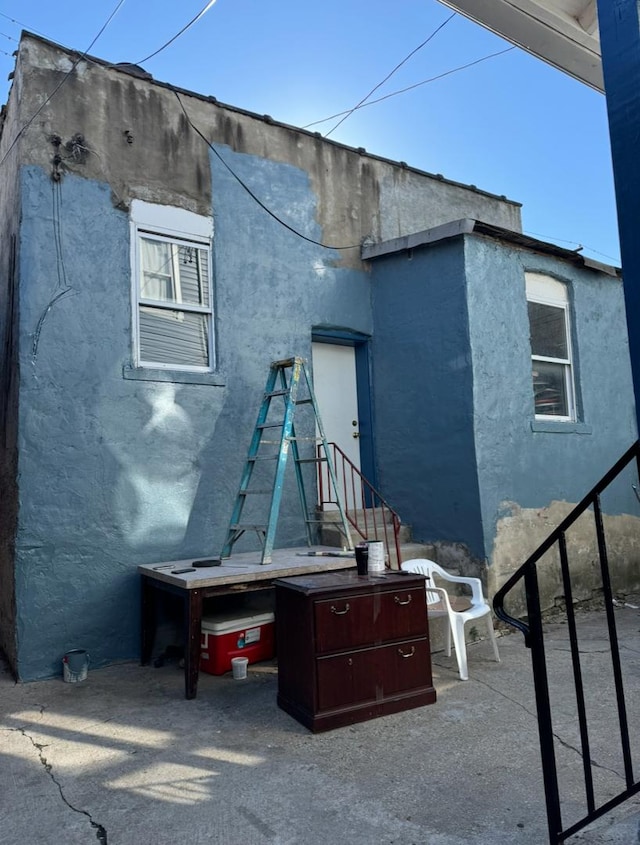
(534, 639)
(365, 508)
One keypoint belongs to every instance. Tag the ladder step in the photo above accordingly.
(255, 492)
(247, 527)
(284, 392)
(303, 402)
(255, 458)
(269, 425)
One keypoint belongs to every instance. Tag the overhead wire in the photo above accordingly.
(48, 99)
(251, 193)
(178, 34)
(21, 23)
(412, 87)
(390, 74)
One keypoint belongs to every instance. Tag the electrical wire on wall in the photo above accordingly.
(62, 287)
(251, 193)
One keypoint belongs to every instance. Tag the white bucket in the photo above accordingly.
(75, 666)
(376, 557)
(239, 667)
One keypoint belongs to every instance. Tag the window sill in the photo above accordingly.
(175, 376)
(561, 427)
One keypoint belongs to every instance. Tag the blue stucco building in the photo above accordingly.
(161, 249)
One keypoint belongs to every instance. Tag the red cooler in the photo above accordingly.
(229, 635)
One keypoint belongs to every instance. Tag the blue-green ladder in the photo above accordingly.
(288, 381)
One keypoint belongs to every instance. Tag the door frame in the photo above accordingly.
(361, 344)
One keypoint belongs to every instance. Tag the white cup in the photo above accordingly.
(376, 557)
(239, 667)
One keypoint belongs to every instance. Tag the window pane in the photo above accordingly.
(157, 270)
(550, 389)
(548, 330)
(174, 272)
(194, 275)
(174, 337)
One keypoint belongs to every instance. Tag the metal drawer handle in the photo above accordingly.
(340, 612)
(411, 653)
(398, 600)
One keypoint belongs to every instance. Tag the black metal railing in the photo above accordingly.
(533, 631)
(366, 510)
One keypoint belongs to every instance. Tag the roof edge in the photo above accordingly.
(468, 226)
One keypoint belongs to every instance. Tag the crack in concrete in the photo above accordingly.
(562, 742)
(101, 833)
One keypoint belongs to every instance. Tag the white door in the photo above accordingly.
(336, 390)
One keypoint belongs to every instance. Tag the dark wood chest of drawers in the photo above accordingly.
(351, 647)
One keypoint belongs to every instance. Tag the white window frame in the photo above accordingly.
(546, 290)
(169, 224)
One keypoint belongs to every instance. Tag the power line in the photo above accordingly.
(178, 34)
(251, 193)
(61, 83)
(20, 23)
(411, 87)
(581, 246)
(389, 75)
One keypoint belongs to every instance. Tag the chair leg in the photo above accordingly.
(492, 637)
(448, 643)
(457, 632)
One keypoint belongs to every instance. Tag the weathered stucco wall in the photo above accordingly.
(9, 376)
(423, 393)
(143, 146)
(116, 471)
(530, 474)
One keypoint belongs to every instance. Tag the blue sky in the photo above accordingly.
(509, 125)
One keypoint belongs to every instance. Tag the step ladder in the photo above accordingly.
(288, 386)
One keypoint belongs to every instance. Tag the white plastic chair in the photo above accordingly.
(439, 603)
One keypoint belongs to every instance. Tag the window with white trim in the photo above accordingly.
(173, 297)
(549, 327)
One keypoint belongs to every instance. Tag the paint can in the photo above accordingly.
(75, 666)
(375, 563)
(239, 668)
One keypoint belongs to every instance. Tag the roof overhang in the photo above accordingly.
(563, 33)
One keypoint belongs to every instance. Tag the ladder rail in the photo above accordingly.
(278, 386)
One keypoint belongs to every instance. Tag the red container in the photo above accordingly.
(227, 636)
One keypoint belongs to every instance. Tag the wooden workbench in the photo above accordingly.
(240, 573)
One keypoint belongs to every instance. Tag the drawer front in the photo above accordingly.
(405, 666)
(373, 674)
(342, 623)
(399, 614)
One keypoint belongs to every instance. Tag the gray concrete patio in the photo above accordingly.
(124, 759)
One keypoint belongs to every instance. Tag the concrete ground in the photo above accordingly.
(123, 759)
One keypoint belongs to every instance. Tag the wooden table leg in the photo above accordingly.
(148, 620)
(192, 640)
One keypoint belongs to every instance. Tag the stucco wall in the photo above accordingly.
(119, 467)
(9, 376)
(423, 395)
(529, 477)
(116, 471)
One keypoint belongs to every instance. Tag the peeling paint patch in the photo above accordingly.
(520, 531)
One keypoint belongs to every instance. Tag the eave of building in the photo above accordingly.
(564, 33)
(467, 226)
